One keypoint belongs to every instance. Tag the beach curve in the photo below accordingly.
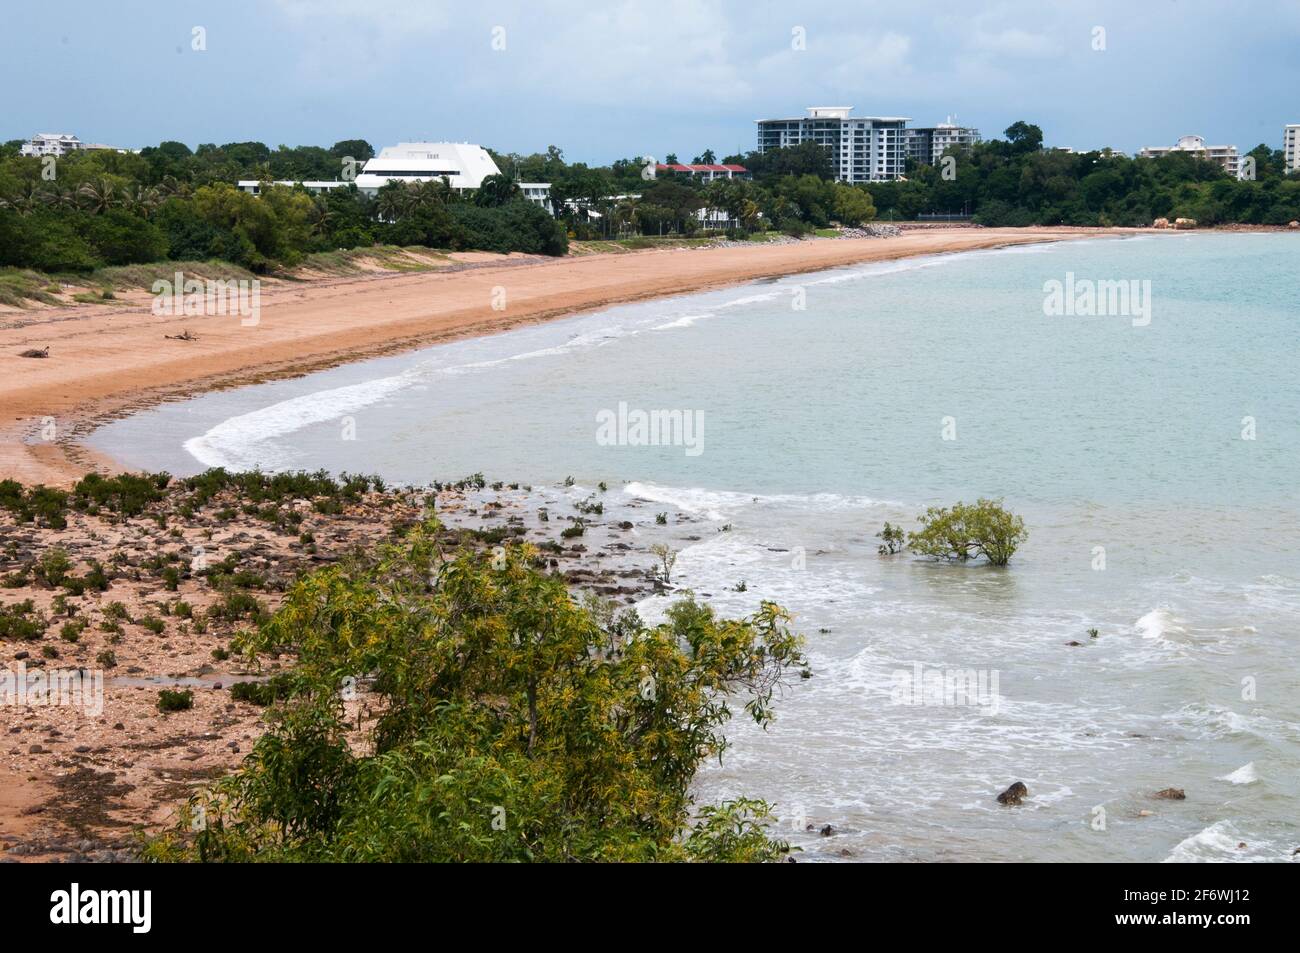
(107, 362)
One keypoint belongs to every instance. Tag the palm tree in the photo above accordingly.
(98, 194)
(625, 214)
(25, 198)
(170, 187)
(434, 191)
(496, 190)
(392, 202)
(142, 199)
(321, 216)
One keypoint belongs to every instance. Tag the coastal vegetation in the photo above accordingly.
(892, 540)
(396, 687)
(1017, 182)
(503, 721)
(169, 700)
(168, 203)
(1012, 181)
(967, 531)
(103, 208)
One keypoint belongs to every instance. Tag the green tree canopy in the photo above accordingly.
(510, 722)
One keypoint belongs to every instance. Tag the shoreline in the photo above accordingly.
(76, 779)
(110, 362)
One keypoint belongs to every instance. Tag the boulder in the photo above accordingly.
(1014, 794)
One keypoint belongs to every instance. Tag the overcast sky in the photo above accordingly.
(609, 78)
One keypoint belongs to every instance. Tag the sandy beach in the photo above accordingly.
(109, 360)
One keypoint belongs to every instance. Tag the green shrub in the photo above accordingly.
(274, 689)
(965, 532)
(117, 611)
(235, 605)
(169, 700)
(54, 565)
(96, 578)
(892, 538)
(507, 729)
(21, 621)
(40, 504)
(127, 493)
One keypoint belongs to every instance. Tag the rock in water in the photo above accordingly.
(1172, 794)
(1014, 794)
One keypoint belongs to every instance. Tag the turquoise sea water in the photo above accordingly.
(1151, 520)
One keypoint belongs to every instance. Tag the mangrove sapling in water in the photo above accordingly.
(667, 559)
(966, 531)
(892, 539)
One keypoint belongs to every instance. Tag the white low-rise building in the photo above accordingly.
(462, 165)
(60, 144)
(51, 144)
(254, 186)
(539, 193)
(1224, 156)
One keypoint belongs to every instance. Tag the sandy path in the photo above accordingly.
(107, 361)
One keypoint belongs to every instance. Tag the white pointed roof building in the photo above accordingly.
(464, 165)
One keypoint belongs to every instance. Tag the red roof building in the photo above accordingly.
(705, 172)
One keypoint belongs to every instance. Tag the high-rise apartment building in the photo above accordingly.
(927, 145)
(862, 148)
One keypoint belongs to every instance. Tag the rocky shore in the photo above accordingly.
(140, 592)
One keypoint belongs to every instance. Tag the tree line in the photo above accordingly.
(95, 208)
(169, 202)
(1015, 181)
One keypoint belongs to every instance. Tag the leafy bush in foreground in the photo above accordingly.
(515, 723)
